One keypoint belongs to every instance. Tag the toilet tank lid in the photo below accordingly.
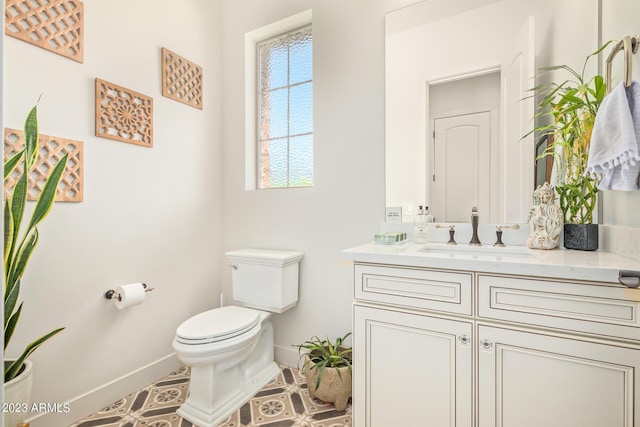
(265, 256)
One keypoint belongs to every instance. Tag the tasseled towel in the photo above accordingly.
(614, 151)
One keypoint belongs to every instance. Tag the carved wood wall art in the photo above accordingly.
(181, 79)
(54, 25)
(123, 114)
(52, 148)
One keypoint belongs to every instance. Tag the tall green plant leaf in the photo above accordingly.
(48, 194)
(10, 300)
(8, 235)
(31, 138)
(21, 259)
(17, 203)
(10, 325)
(14, 368)
(11, 163)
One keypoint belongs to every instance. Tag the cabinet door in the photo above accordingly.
(411, 370)
(530, 379)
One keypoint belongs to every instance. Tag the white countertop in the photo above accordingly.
(559, 263)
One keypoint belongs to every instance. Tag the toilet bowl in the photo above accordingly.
(230, 349)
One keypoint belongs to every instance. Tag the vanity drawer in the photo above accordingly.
(416, 288)
(582, 307)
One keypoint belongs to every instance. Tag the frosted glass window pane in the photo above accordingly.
(285, 106)
(301, 161)
(274, 120)
(273, 63)
(301, 109)
(273, 163)
(300, 54)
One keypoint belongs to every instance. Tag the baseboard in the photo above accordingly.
(287, 356)
(98, 398)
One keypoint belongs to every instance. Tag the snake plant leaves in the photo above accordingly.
(11, 163)
(14, 368)
(46, 199)
(21, 259)
(18, 245)
(8, 232)
(31, 138)
(10, 323)
(17, 204)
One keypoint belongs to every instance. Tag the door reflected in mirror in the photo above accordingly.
(464, 118)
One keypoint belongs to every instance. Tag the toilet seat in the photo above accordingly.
(217, 325)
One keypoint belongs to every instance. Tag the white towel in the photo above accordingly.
(614, 151)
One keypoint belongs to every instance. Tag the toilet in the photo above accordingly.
(230, 349)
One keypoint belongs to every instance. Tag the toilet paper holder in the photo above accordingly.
(112, 294)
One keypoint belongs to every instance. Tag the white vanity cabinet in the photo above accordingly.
(411, 367)
(568, 355)
(466, 347)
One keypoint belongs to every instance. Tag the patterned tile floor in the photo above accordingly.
(284, 402)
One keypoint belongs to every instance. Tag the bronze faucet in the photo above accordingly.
(475, 219)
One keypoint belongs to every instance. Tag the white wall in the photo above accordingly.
(149, 214)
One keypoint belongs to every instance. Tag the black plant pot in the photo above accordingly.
(583, 237)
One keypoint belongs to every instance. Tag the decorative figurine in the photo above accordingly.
(545, 219)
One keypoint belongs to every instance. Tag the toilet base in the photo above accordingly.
(193, 411)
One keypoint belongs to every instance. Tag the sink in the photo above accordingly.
(489, 252)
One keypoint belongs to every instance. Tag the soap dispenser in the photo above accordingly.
(420, 227)
(428, 216)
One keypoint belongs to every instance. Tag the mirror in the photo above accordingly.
(456, 74)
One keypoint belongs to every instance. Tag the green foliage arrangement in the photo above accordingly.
(325, 354)
(572, 106)
(18, 246)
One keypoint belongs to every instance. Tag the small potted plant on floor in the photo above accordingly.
(18, 247)
(327, 367)
(572, 106)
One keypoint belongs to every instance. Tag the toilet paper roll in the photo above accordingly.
(130, 295)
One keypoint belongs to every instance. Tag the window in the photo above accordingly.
(284, 116)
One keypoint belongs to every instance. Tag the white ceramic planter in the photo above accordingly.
(334, 387)
(17, 396)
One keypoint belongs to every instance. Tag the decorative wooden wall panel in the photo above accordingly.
(54, 25)
(52, 148)
(181, 79)
(123, 114)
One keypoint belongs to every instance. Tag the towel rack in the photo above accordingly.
(630, 46)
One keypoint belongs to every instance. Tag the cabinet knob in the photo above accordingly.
(464, 339)
(486, 344)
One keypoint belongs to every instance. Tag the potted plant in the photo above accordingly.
(327, 367)
(18, 247)
(572, 106)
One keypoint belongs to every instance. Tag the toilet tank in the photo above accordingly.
(265, 279)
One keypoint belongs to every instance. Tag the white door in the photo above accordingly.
(462, 166)
(533, 380)
(411, 370)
